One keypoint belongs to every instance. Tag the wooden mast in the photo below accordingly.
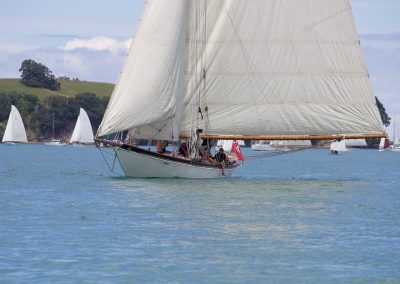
(288, 137)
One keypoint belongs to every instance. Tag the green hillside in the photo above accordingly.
(68, 88)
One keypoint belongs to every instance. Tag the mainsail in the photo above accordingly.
(15, 129)
(83, 132)
(259, 67)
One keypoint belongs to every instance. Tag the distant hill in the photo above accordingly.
(68, 88)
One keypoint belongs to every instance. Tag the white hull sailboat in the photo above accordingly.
(338, 147)
(15, 129)
(262, 146)
(83, 133)
(384, 144)
(396, 141)
(54, 142)
(199, 70)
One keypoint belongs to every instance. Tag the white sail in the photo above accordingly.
(83, 132)
(287, 67)
(148, 94)
(259, 67)
(15, 129)
(339, 146)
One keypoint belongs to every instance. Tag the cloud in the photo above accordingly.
(95, 59)
(382, 53)
(99, 43)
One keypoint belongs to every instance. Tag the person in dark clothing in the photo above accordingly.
(183, 149)
(221, 158)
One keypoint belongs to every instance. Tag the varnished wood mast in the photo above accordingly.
(287, 137)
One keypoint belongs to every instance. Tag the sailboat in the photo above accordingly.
(262, 146)
(231, 69)
(338, 146)
(384, 144)
(54, 142)
(83, 133)
(396, 142)
(15, 129)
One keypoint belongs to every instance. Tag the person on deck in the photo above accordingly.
(221, 158)
(162, 147)
(183, 149)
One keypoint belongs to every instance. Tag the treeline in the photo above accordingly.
(38, 115)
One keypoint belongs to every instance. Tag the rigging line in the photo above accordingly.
(247, 54)
(246, 57)
(315, 40)
(105, 160)
(328, 18)
(292, 44)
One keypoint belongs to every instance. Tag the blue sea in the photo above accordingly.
(305, 217)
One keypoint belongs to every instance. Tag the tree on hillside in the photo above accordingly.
(26, 104)
(374, 143)
(93, 105)
(382, 111)
(37, 75)
(64, 114)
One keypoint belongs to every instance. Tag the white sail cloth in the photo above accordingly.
(339, 146)
(149, 92)
(83, 132)
(15, 129)
(272, 67)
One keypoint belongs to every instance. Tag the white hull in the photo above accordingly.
(262, 147)
(56, 144)
(147, 166)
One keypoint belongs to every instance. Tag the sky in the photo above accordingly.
(88, 39)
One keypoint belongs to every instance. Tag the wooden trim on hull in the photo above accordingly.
(161, 156)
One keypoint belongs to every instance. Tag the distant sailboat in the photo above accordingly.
(262, 146)
(396, 142)
(384, 144)
(338, 146)
(54, 142)
(15, 130)
(83, 133)
(245, 70)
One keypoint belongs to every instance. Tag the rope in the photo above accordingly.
(105, 160)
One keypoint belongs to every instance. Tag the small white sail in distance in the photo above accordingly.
(15, 130)
(339, 146)
(83, 132)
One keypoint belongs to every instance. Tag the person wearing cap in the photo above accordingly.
(220, 157)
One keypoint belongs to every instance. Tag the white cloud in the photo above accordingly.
(99, 43)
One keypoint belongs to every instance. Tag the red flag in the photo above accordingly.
(236, 149)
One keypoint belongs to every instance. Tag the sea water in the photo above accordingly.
(306, 217)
